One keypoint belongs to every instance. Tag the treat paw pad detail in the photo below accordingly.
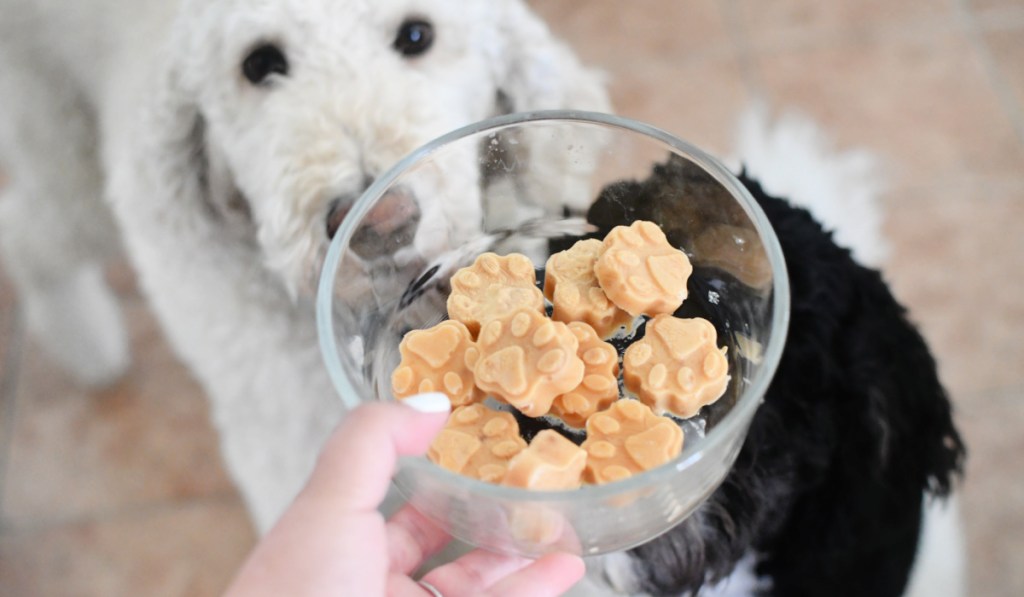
(477, 442)
(599, 387)
(434, 360)
(493, 287)
(627, 439)
(550, 462)
(526, 360)
(641, 272)
(677, 367)
(572, 287)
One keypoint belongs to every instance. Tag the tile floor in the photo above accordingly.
(122, 492)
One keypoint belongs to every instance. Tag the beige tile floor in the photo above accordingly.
(122, 492)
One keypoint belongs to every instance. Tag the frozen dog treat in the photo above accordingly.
(626, 439)
(550, 462)
(526, 360)
(541, 525)
(600, 386)
(677, 367)
(493, 287)
(571, 285)
(477, 442)
(499, 343)
(640, 272)
(434, 360)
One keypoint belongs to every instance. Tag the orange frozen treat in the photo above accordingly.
(493, 287)
(600, 385)
(677, 366)
(571, 286)
(477, 442)
(550, 462)
(526, 360)
(434, 360)
(626, 439)
(640, 272)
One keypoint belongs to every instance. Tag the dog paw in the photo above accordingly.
(78, 323)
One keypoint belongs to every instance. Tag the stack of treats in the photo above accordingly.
(499, 342)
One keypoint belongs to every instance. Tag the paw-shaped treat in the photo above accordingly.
(477, 442)
(600, 386)
(550, 462)
(571, 286)
(626, 439)
(434, 360)
(640, 272)
(677, 366)
(526, 360)
(493, 287)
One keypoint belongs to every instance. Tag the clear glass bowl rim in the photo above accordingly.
(722, 432)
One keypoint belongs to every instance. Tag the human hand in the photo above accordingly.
(333, 540)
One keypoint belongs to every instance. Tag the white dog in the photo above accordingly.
(230, 137)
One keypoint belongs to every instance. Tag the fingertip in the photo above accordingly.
(569, 566)
(429, 413)
(549, 576)
(363, 450)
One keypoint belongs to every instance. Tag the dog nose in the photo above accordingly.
(336, 215)
(340, 206)
(388, 226)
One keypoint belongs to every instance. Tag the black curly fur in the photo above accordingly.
(855, 430)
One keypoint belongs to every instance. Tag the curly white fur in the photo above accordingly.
(222, 188)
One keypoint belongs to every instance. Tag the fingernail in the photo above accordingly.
(430, 402)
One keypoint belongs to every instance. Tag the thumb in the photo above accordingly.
(356, 464)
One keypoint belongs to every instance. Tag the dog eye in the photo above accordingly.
(263, 62)
(415, 37)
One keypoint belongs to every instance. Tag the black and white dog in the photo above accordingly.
(854, 442)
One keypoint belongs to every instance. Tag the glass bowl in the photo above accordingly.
(532, 183)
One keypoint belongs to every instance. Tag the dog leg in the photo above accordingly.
(940, 567)
(55, 232)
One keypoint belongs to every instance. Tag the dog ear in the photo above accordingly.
(539, 72)
(536, 71)
(856, 421)
(908, 414)
(162, 172)
(891, 443)
(171, 169)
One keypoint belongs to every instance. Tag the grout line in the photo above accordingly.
(127, 513)
(11, 369)
(1011, 106)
